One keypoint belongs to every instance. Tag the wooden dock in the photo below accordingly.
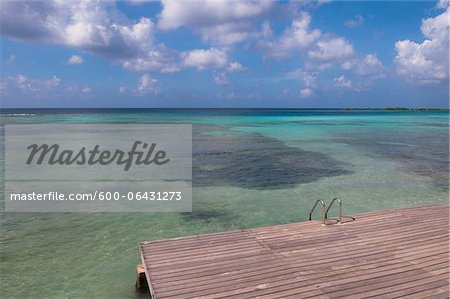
(401, 253)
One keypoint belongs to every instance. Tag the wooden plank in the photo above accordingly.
(401, 253)
(421, 289)
(306, 283)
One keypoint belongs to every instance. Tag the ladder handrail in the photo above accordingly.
(323, 210)
(340, 208)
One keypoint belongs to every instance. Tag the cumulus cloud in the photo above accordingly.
(205, 59)
(236, 67)
(163, 60)
(22, 82)
(320, 50)
(342, 82)
(357, 21)
(443, 4)
(218, 22)
(368, 65)
(332, 49)
(309, 78)
(147, 85)
(26, 85)
(75, 59)
(97, 27)
(297, 36)
(212, 58)
(41, 88)
(426, 62)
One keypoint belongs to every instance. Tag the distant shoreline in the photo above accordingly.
(399, 109)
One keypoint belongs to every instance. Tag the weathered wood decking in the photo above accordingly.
(402, 253)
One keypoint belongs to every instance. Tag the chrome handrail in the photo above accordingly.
(323, 210)
(340, 209)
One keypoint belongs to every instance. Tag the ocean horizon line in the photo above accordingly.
(221, 108)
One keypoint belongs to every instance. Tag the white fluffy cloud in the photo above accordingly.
(215, 59)
(368, 65)
(443, 4)
(342, 82)
(41, 87)
(296, 37)
(309, 81)
(218, 22)
(94, 26)
(427, 62)
(309, 78)
(236, 67)
(205, 59)
(332, 52)
(75, 59)
(27, 85)
(162, 60)
(212, 58)
(147, 85)
(319, 50)
(332, 49)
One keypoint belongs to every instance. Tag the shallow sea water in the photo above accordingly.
(251, 168)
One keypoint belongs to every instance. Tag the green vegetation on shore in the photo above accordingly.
(404, 108)
(400, 109)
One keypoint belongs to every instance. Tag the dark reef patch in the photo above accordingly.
(254, 161)
(420, 152)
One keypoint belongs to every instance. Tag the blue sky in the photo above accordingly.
(224, 54)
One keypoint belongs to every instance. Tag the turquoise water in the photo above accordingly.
(251, 168)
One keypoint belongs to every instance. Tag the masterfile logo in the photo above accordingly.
(52, 155)
(98, 167)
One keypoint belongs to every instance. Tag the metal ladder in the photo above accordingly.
(325, 211)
